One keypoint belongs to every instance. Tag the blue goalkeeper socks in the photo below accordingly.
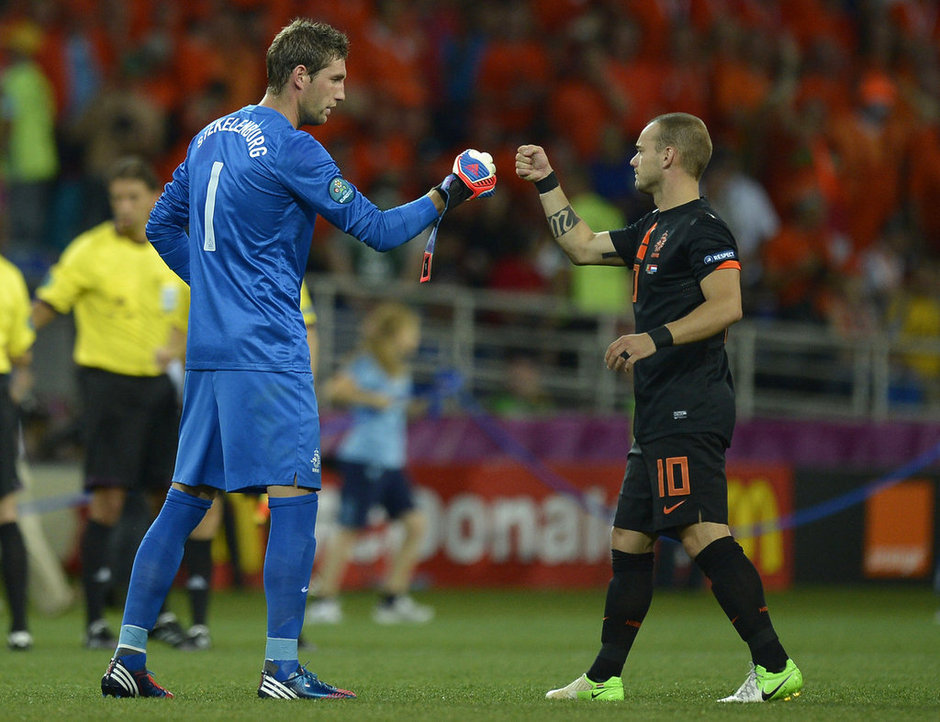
(283, 652)
(155, 566)
(288, 562)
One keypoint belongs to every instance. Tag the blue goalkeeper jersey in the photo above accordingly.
(236, 223)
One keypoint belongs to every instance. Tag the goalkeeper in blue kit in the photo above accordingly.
(235, 223)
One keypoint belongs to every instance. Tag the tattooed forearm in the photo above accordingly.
(563, 221)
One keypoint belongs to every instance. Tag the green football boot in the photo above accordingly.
(583, 688)
(764, 686)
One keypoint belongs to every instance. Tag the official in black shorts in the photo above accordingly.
(686, 293)
(9, 480)
(130, 426)
(16, 340)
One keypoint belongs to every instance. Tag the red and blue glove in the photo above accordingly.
(474, 176)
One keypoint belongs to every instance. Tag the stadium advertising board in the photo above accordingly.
(759, 495)
(497, 524)
(899, 531)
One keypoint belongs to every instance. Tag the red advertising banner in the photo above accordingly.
(497, 524)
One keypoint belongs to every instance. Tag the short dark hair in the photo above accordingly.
(303, 42)
(689, 136)
(133, 167)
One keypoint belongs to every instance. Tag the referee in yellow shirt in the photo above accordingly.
(16, 339)
(130, 315)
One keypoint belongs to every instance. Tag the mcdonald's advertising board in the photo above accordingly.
(759, 495)
(496, 523)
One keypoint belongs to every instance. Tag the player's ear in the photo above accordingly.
(668, 156)
(299, 76)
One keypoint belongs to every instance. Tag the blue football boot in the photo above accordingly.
(300, 685)
(119, 681)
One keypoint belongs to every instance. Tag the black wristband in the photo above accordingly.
(548, 183)
(661, 336)
(453, 190)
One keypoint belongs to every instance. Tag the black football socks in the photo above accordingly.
(14, 573)
(737, 586)
(197, 558)
(629, 595)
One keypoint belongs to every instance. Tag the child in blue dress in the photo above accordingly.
(377, 387)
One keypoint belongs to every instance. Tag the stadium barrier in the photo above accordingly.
(529, 501)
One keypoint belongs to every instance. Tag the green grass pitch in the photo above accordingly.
(868, 654)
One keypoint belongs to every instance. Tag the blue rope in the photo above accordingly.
(491, 428)
(845, 501)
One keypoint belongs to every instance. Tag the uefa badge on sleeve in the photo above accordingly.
(341, 190)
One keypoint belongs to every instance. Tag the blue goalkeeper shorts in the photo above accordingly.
(248, 430)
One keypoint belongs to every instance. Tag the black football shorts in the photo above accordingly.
(672, 482)
(9, 438)
(131, 426)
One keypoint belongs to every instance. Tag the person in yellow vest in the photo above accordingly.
(130, 315)
(16, 339)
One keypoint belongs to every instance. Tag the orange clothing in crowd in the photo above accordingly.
(514, 77)
(737, 88)
(393, 60)
(749, 13)
(389, 154)
(809, 20)
(868, 158)
(918, 18)
(655, 25)
(578, 111)
(924, 183)
(793, 261)
(685, 87)
(830, 90)
(638, 82)
(552, 16)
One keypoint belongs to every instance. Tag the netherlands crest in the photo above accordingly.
(659, 244)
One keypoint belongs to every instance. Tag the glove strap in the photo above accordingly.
(432, 239)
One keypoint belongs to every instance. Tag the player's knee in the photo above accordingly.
(8, 509)
(203, 492)
(106, 506)
(630, 541)
(697, 537)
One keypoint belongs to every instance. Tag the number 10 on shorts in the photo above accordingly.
(673, 476)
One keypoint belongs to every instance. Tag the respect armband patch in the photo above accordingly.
(719, 257)
(341, 190)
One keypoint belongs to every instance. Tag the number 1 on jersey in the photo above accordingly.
(209, 243)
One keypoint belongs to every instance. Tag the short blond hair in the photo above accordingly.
(689, 136)
(383, 323)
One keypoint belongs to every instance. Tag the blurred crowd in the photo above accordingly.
(825, 116)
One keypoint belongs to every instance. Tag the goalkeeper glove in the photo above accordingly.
(474, 175)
